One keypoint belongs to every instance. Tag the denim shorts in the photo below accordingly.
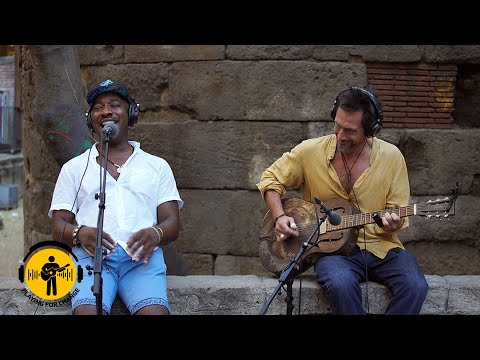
(137, 284)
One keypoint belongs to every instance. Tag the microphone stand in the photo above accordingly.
(286, 277)
(97, 264)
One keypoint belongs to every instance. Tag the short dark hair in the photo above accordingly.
(356, 98)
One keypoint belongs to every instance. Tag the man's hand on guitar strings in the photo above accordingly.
(285, 227)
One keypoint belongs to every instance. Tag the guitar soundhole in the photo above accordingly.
(331, 238)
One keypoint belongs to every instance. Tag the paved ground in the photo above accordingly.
(11, 240)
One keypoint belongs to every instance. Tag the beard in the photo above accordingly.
(346, 146)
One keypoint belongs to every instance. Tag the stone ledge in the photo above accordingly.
(247, 294)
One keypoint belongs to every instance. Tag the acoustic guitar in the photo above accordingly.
(340, 239)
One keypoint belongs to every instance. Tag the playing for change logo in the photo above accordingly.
(50, 271)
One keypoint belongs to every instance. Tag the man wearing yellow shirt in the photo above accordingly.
(371, 174)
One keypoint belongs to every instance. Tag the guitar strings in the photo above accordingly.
(359, 219)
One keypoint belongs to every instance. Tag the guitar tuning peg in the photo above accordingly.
(428, 217)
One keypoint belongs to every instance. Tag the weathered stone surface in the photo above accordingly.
(168, 53)
(271, 52)
(446, 257)
(221, 222)
(290, 90)
(467, 101)
(200, 264)
(39, 162)
(253, 295)
(369, 53)
(463, 295)
(14, 301)
(437, 296)
(239, 265)
(443, 229)
(437, 159)
(452, 54)
(236, 152)
(313, 299)
(58, 104)
(100, 54)
(53, 122)
(217, 295)
(332, 52)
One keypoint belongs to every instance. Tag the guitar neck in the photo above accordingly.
(349, 221)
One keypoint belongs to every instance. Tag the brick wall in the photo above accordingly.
(415, 95)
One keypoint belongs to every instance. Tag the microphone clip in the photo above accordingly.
(333, 217)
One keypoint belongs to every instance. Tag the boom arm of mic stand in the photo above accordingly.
(288, 271)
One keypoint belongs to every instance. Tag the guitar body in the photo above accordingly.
(275, 256)
(339, 239)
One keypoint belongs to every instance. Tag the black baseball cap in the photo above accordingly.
(109, 86)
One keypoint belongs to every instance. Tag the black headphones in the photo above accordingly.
(375, 124)
(133, 114)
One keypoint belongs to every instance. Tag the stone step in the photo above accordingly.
(249, 294)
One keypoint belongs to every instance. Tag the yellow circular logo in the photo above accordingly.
(50, 273)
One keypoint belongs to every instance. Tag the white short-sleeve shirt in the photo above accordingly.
(131, 201)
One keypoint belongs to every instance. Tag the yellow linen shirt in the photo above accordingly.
(308, 167)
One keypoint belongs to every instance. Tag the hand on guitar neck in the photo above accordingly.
(390, 221)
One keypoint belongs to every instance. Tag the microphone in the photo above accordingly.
(333, 217)
(110, 129)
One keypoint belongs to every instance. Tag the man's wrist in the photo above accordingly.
(159, 232)
(75, 239)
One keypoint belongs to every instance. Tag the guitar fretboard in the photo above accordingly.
(349, 221)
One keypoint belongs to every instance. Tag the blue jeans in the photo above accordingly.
(136, 283)
(341, 276)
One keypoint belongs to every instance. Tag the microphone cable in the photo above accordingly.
(76, 194)
(364, 256)
(80, 185)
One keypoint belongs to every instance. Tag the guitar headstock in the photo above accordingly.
(439, 208)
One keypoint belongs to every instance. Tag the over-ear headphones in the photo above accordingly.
(48, 244)
(373, 124)
(133, 114)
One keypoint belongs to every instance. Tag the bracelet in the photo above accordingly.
(158, 231)
(278, 217)
(75, 235)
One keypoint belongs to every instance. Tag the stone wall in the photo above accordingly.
(221, 114)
